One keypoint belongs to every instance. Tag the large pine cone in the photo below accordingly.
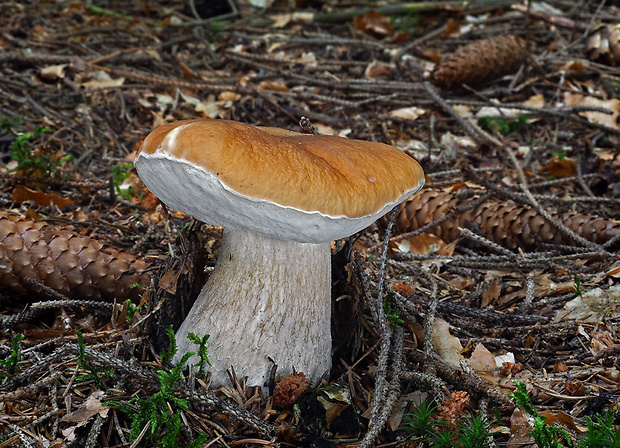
(480, 61)
(73, 265)
(504, 222)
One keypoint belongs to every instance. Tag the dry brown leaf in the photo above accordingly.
(53, 72)
(559, 168)
(604, 45)
(187, 72)
(227, 95)
(272, 85)
(102, 81)
(482, 360)
(372, 24)
(592, 306)
(169, 281)
(559, 367)
(91, 407)
(491, 294)
(519, 430)
(211, 109)
(408, 113)
(377, 68)
(560, 419)
(446, 346)
(21, 194)
(575, 388)
(426, 243)
(576, 99)
(282, 20)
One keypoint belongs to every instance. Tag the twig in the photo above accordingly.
(385, 331)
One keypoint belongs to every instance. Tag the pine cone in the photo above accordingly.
(288, 391)
(504, 222)
(481, 61)
(73, 265)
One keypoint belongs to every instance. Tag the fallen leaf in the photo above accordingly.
(408, 113)
(537, 101)
(519, 430)
(559, 168)
(425, 243)
(276, 86)
(187, 72)
(491, 294)
(560, 419)
(482, 360)
(227, 95)
(372, 24)
(21, 194)
(282, 20)
(446, 346)
(592, 306)
(575, 388)
(609, 120)
(377, 68)
(90, 408)
(559, 367)
(102, 81)
(211, 109)
(52, 72)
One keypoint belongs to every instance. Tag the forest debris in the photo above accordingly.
(592, 306)
(604, 44)
(408, 113)
(102, 81)
(613, 105)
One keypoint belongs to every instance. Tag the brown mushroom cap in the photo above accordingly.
(337, 178)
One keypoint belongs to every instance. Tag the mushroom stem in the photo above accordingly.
(265, 298)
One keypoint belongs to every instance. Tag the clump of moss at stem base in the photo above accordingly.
(158, 417)
(202, 351)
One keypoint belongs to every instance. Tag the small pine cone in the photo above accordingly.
(73, 265)
(604, 45)
(480, 61)
(288, 391)
(451, 410)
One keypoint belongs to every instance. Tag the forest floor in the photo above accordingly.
(504, 268)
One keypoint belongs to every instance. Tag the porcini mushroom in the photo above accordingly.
(281, 197)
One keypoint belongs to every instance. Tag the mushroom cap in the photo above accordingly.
(307, 188)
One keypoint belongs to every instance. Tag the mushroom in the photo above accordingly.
(281, 198)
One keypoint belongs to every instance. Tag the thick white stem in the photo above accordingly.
(265, 298)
